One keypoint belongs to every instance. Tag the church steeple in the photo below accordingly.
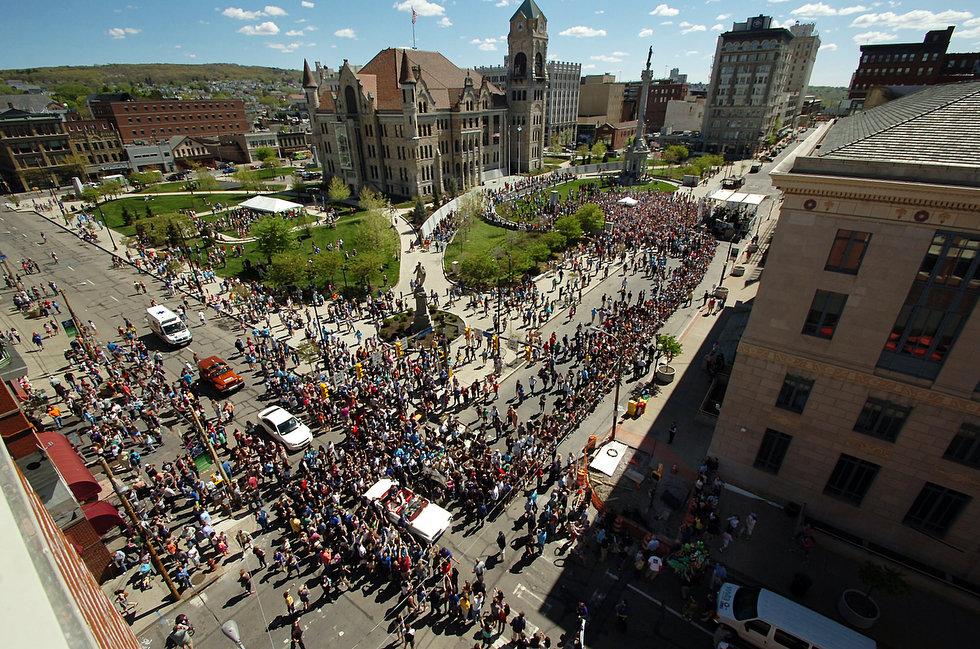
(527, 84)
(310, 87)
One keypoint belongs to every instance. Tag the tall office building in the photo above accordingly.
(756, 71)
(854, 390)
(561, 101)
(912, 65)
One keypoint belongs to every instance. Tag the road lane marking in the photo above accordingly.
(667, 608)
(71, 269)
(114, 297)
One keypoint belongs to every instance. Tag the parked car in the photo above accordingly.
(286, 429)
(755, 168)
(217, 374)
(424, 519)
(732, 182)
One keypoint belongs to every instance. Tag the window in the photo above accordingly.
(881, 419)
(783, 639)
(825, 312)
(772, 450)
(758, 626)
(935, 509)
(851, 479)
(965, 447)
(937, 306)
(794, 393)
(848, 251)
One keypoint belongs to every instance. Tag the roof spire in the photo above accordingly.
(406, 75)
(309, 80)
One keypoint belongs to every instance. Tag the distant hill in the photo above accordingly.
(830, 95)
(137, 74)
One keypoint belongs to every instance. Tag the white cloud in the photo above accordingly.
(667, 22)
(589, 66)
(690, 53)
(485, 44)
(776, 2)
(581, 31)
(776, 24)
(646, 31)
(664, 10)
(295, 32)
(445, 22)
(267, 28)
(819, 9)
(177, 47)
(717, 27)
(972, 29)
(285, 48)
(917, 19)
(122, 32)
(828, 47)
(600, 12)
(422, 7)
(687, 28)
(503, 3)
(273, 10)
(192, 56)
(870, 38)
(307, 5)
(607, 58)
(723, 16)
(346, 32)
(240, 14)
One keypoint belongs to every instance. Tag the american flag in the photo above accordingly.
(415, 16)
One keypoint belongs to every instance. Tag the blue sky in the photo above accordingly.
(605, 36)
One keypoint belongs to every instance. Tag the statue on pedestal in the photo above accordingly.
(422, 320)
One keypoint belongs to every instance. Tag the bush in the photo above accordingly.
(478, 270)
(569, 227)
(590, 218)
(538, 251)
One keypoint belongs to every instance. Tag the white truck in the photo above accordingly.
(168, 326)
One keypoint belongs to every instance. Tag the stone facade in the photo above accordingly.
(850, 374)
(97, 142)
(34, 151)
(411, 123)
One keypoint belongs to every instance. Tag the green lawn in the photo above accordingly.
(137, 206)
(322, 236)
(482, 238)
(176, 186)
(275, 172)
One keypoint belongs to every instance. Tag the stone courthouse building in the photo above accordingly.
(411, 122)
(855, 391)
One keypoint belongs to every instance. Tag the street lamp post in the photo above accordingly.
(519, 129)
(106, 224)
(230, 629)
(619, 381)
(316, 314)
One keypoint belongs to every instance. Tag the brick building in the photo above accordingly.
(98, 142)
(854, 389)
(153, 120)
(410, 122)
(662, 92)
(34, 151)
(912, 64)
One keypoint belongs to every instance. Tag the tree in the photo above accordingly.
(264, 153)
(111, 188)
(370, 199)
(591, 218)
(338, 191)
(165, 229)
(452, 187)
(879, 577)
(127, 216)
(669, 346)
(325, 267)
(287, 269)
(205, 181)
(478, 270)
(555, 241)
(374, 233)
(599, 149)
(249, 179)
(581, 152)
(297, 185)
(418, 211)
(273, 235)
(363, 267)
(141, 179)
(269, 164)
(675, 153)
(569, 227)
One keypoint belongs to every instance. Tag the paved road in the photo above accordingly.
(545, 588)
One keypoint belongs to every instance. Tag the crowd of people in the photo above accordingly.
(403, 415)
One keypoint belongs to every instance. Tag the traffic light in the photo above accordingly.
(359, 369)
(398, 349)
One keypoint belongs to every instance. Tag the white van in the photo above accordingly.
(168, 326)
(767, 620)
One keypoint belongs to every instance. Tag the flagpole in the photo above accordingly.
(413, 35)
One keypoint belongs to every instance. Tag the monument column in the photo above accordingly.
(635, 163)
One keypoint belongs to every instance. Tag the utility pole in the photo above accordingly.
(619, 382)
(214, 457)
(138, 526)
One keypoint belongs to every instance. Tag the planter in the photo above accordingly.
(664, 374)
(738, 271)
(721, 292)
(859, 611)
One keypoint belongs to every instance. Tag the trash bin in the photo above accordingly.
(631, 408)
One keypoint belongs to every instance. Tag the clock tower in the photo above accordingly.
(527, 83)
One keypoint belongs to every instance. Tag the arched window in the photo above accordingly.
(538, 66)
(520, 65)
(351, 100)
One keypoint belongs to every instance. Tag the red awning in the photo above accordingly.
(102, 516)
(71, 467)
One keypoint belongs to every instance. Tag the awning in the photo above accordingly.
(102, 515)
(269, 204)
(629, 202)
(731, 196)
(71, 467)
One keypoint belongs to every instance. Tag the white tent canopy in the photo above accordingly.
(629, 202)
(269, 204)
(729, 196)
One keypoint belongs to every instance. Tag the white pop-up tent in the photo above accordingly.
(269, 204)
(627, 201)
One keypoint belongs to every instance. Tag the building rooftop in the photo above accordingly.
(935, 126)
(30, 103)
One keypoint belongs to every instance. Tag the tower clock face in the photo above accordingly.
(757, 23)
